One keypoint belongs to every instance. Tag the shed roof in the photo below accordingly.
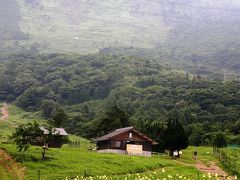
(121, 131)
(55, 131)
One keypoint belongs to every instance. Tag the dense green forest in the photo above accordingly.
(100, 92)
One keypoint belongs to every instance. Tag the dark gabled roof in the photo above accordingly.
(55, 131)
(121, 131)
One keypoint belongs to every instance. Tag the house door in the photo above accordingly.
(134, 149)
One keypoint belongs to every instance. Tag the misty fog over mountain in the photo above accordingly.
(181, 31)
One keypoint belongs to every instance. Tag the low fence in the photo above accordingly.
(228, 158)
(76, 144)
(81, 144)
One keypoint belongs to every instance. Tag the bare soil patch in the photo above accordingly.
(212, 169)
(4, 110)
(12, 167)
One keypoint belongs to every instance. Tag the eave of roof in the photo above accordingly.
(55, 131)
(121, 131)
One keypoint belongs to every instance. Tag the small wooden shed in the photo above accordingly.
(125, 141)
(58, 135)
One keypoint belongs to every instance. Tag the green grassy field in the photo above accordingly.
(17, 117)
(230, 159)
(71, 162)
(4, 174)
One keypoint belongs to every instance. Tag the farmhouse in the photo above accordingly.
(125, 141)
(58, 136)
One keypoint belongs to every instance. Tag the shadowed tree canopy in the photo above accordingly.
(112, 119)
(144, 89)
(59, 117)
(175, 137)
(26, 135)
(32, 134)
(220, 140)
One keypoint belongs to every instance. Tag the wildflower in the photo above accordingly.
(235, 177)
(216, 174)
(169, 176)
(163, 170)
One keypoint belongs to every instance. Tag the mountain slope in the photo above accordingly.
(84, 26)
(185, 33)
(90, 86)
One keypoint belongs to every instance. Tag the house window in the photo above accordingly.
(116, 144)
(130, 135)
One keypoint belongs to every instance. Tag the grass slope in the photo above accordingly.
(71, 162)
(232, 162)
(4, 174)
(17, 117)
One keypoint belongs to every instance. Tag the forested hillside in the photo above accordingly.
(137, 91)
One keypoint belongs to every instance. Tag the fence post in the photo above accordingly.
(85, 173)
(235, 166)
(39, 176)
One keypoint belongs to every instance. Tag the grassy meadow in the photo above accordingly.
(72, 162)
(4, 174)
(17, 117)
(76, 160)
(230, 159)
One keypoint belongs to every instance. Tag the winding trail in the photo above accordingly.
(4, 110)
(11, 166)
(212, 169)
(14, 169)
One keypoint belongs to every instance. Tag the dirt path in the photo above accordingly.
(11, 166)
(4, 115)
(6, 161)
(4, 112)
(212, 169)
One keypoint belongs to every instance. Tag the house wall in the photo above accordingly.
(117, 151)
(125, 139)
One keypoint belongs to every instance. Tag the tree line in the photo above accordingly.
(98, 93)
